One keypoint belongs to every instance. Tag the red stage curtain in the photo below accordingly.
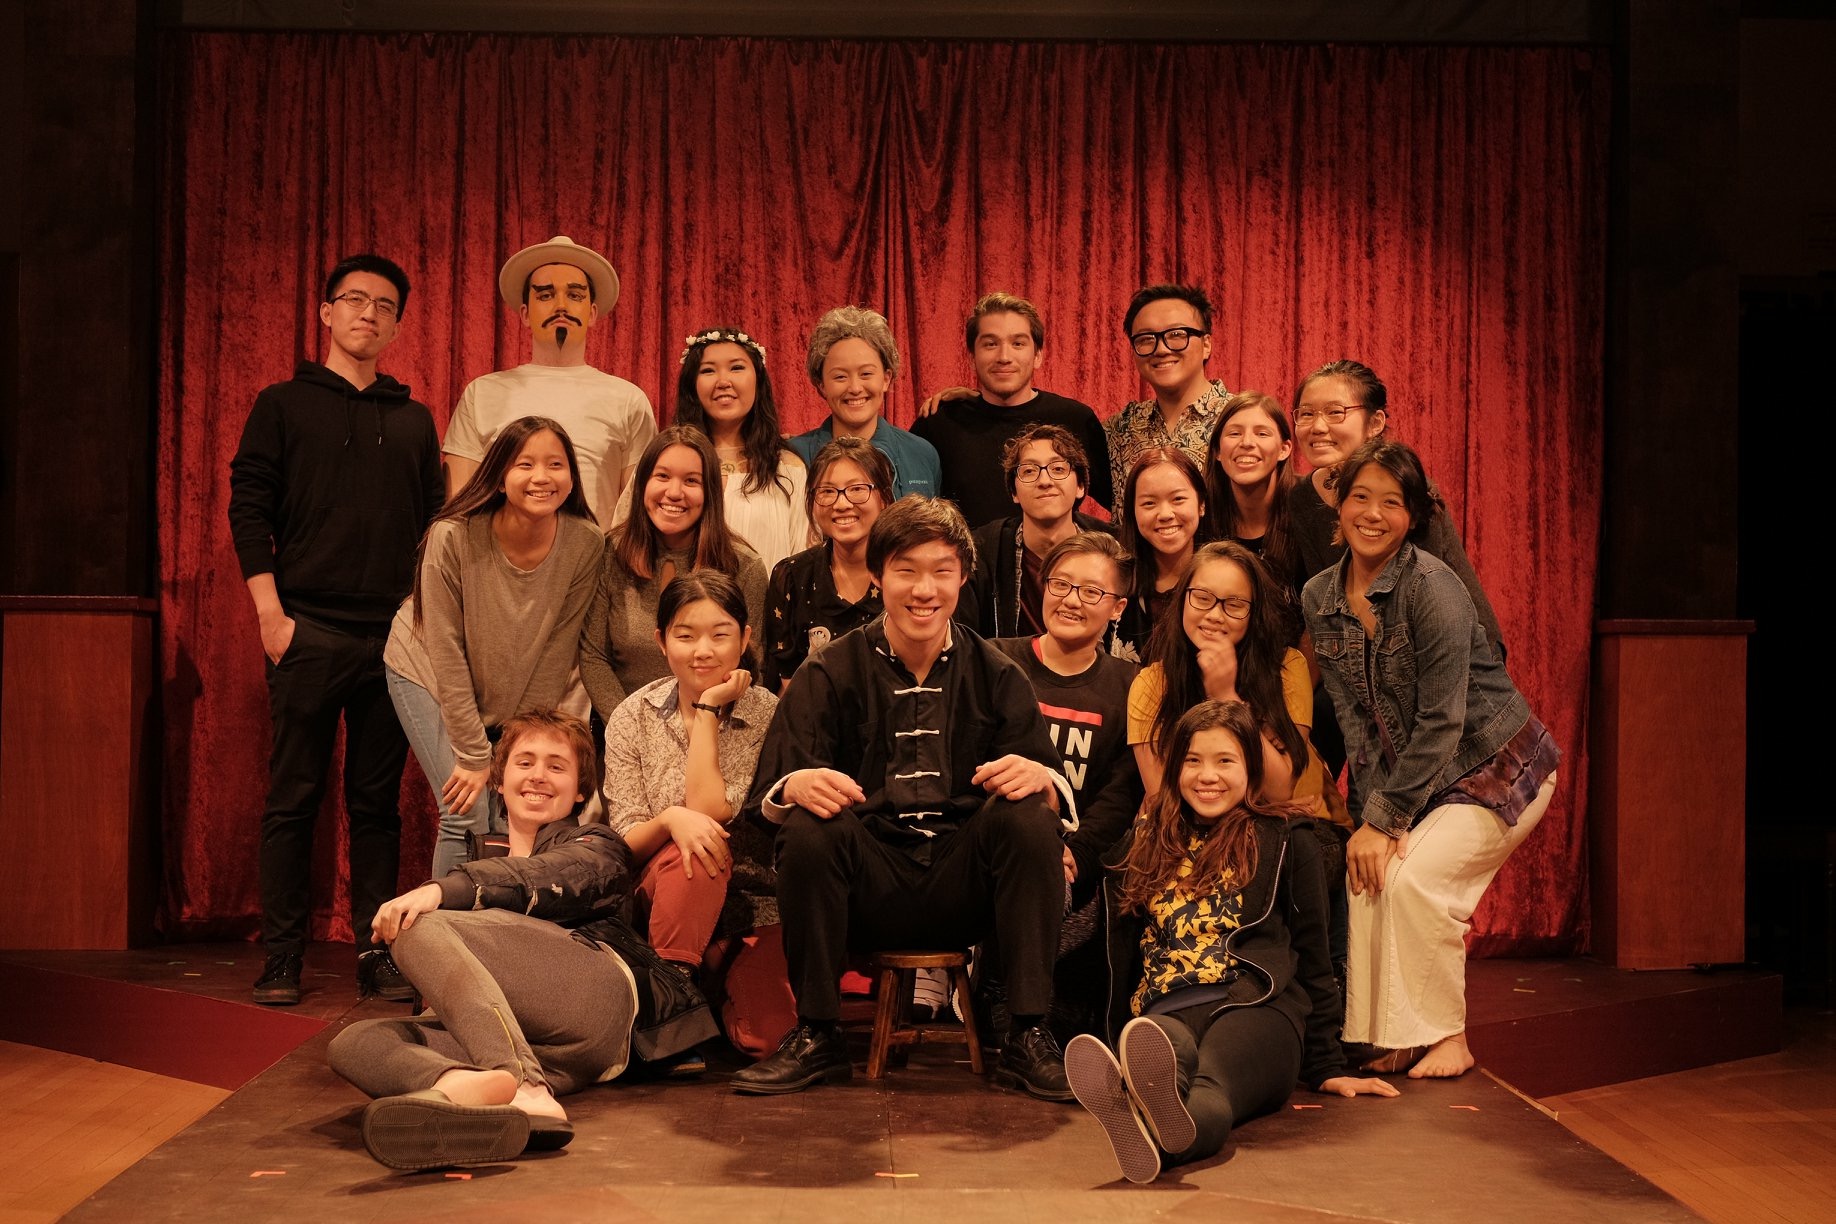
(1437, 212)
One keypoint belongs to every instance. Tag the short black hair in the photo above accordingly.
(377, 265)
(1192, 295)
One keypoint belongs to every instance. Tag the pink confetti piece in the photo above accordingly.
(458, 1177)
(193, 975)
(1468, 1108)
(1523, 990)
(269, 1173)
(895, 1175)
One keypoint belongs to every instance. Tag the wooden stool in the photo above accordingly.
(893, 986)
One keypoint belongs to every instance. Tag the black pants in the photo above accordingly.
(327, 674)
(842, 889)
(1238, 1066)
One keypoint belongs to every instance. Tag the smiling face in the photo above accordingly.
(361, 335)
(1005, 357)
(701, 645)
(726, 383)
(844, 522)
(1251, 447)
(541, 779)
(1167, 509)
(537, 481)
(1163, 369)
(1227, 581)
(673, 495)
(1213, 778)
(919, 587)
(854, 382)
(1323, 443)
(1048, 499)
(1373, 517)
(1073, 624)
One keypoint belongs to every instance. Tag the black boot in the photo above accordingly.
(279, 983)
(378, 975)
(808, 1053)
(1030, 1060)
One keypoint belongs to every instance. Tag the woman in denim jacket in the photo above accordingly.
(1449, 768)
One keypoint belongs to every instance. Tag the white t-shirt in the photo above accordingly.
(774, 522)
(609, 421)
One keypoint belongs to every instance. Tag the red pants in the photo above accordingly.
(746, 973)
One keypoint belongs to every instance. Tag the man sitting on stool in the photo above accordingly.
(917, 794)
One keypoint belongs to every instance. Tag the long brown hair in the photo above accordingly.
(638, 544)
(1220, 494)
(484, 492)
(1163, 835)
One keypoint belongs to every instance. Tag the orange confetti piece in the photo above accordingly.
(1523, 990)
(458, 1177)
(269, 1173)
(895, 1175)
(1309, 1107)
(1468, 1108)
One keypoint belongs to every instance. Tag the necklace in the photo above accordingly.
(729, 466)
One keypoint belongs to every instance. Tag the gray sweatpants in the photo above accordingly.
(504, 991)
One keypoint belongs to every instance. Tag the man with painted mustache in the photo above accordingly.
(559, 290)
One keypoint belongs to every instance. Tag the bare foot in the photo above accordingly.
(1391, 1062)
(538, 1102)
(463, 1087)
(1445, 1059)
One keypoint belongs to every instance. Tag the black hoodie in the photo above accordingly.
(330, 491)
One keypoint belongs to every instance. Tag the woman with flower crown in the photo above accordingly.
(724, 391)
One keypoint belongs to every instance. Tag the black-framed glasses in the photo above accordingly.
(1029, 473)
(1175, 338)
(856, 494)
(360, 301)
(1332, 414)
(1235, 606)
(1061, 587)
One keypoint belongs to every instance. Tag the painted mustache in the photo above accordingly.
(560, 316)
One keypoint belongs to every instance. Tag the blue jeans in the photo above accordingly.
(419, 713)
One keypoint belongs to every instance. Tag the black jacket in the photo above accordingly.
(995, 587)
(330, 490)
(1281, 949)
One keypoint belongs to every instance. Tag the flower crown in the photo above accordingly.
(717, 335)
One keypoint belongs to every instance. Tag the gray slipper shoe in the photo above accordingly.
(424, 1130)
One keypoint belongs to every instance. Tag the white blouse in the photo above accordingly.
(776, 524)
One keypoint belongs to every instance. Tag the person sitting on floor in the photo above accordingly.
(1218, 924)
(916, 792)
(680, 755)
(521, 1009)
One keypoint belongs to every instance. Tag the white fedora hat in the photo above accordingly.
(559, 250)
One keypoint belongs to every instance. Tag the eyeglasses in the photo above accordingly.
(1061, 587)
(1029, 473)
(1175, 338)
(1235, 606)
(856, 494)
(360, 301)
(1333, 413)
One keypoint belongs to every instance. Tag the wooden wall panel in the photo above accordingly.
(76, 691)
(1667, 794)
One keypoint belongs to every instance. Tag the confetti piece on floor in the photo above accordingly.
(1309, 1107)
(175, 962)
(458, 1177)
(1571, 979)
(895, 1175)
(1468, 1108)
(1523, 990)
(269, 1173)
(189, 974)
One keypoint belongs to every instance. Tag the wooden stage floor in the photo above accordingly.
(928, 1142)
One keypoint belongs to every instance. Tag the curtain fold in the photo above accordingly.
(1437, 212)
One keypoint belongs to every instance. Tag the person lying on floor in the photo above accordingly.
(1218, 922)
(917, 794)
(527, 973)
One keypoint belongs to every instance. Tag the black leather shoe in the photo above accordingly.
(378, 975)
(1031, 1062)
(279, 983)
(806, 1054)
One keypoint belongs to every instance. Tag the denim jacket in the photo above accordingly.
(1423, 701)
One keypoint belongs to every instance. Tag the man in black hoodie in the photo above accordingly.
(337, 476)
